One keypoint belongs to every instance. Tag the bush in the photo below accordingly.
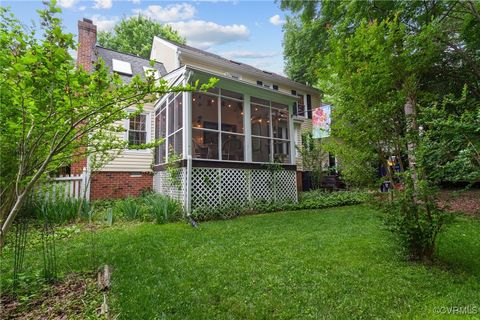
(162, 208)
(129, 208)
(417, 221)
(59, 211)
(316, 199)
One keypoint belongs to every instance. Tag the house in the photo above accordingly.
(225, 139)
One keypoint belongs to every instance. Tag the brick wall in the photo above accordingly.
(87, 38)
(77, 167)
(116, 185)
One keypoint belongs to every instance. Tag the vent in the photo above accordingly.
(233, 75)
(236, 62)
(122, 67)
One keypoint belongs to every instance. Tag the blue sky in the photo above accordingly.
(246, 31)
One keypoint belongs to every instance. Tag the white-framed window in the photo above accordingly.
(138, 129)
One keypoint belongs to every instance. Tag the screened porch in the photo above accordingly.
(223, 141)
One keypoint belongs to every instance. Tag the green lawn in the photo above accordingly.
(334, 263)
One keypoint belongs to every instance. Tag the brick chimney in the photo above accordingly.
(87, 38)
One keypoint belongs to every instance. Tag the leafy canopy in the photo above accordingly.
(135, 35)
(52, 111)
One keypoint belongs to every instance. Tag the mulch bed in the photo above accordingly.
(75, 297)
(467, 201)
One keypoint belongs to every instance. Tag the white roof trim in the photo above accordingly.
(214, 74)
(240, 69)
(260, 74)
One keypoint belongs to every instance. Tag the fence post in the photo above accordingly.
(85, 183)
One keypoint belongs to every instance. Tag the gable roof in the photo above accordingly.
(137, 63)
(238, 65)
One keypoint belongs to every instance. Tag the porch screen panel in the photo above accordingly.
(174, 111)
(160, 133)
(270, 131)
(232, 126)
(218, 125)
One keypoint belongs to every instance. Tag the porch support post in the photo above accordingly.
(291, 130)
(247, 124)
(187, 147)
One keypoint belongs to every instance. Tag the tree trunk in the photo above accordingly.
(412, 132)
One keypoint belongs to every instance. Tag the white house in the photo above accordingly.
(226, 138)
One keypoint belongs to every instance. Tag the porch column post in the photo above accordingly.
(291, 130)
(187, 148)
(247, 124)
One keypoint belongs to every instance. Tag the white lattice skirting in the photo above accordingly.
(213, 187)
(173, 187)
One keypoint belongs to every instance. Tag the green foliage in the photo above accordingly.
(59, 212)
(173, 168)
(308, 200)
(129, 208)
(313, 156)
(449, 148)
(370, 58)
(163, 209)
(52, 113)
(135, 35)
(416, 220)
(249, 268)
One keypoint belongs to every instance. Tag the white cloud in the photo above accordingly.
(104, 23)
(204, 34)
(82, 8)
(134, 1)
(248, 54)
(67, 3)
(171, 12)
(276, 20)
(103, 4)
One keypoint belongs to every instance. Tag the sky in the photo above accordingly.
(245, 31)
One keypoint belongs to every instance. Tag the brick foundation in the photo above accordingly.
(116, 185)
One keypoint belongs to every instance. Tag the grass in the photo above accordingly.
(334, 263)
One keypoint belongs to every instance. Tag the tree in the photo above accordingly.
(52, 112)
(135, 35)
(388, 65)
(383, 63)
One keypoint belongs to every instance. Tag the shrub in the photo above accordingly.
(61, 211)
(416, 220)
(128, 208)
(162, 208)
(316, 199)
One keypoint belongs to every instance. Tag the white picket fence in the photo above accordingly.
(62, 187)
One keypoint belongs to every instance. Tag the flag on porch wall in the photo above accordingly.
(321, 120)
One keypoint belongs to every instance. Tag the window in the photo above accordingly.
(122, 67)
(270, 131)
(168, 124)
(137, 130)
(218, 125)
